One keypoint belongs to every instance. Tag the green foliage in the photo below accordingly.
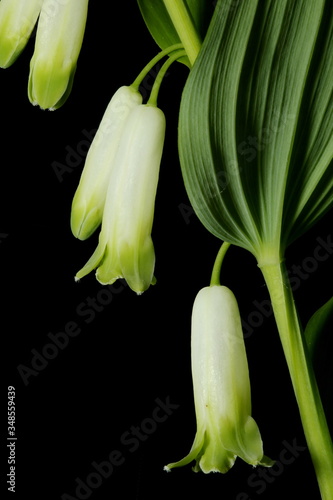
(161, 27)
(256, 123)
(316, 327)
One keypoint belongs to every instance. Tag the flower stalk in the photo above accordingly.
(184, 27)
(152, 101)
(215, 278)
(302, 375)
(163, 53)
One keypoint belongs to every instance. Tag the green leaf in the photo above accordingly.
(316, 326)
(206, 132)
(319, 339)
(161, 27)
(241, 118)
(311, 165)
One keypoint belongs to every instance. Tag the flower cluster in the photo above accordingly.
(118, 189)
(119, 182)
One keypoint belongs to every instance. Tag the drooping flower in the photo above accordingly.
(17, 20)
(125, 248)
(89, 199)
(59, 38)
(221, 384)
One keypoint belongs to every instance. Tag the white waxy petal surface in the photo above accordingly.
(221, 385)
(129, 208)
(89, 199)
(59, 38)
(125, 248)
(17, 20)
(219, 364)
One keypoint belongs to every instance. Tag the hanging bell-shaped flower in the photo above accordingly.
(89, 199)
(221, 384)
(60, 31)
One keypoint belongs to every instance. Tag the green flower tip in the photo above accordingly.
(50, 84)
(84, 222)
(211, 452)
(83, 230)
(132, 262)
(10, 49)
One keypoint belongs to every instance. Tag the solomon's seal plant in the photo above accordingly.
(255, 141)
(265, 72)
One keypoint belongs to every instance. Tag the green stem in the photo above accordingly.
(302, 375)
(215, 278)
(184, 26)
(152, 101)
(137, 82)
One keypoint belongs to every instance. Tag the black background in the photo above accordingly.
(133, 350)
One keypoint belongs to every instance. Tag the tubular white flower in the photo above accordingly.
(89, 199)
(17, 20)
(59, 38)
(222, 397)
(125, 248)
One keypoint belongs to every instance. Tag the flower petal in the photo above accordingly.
(89, 200)
(17, 20)
(221, 385)
(127, 250)
(58, 43)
